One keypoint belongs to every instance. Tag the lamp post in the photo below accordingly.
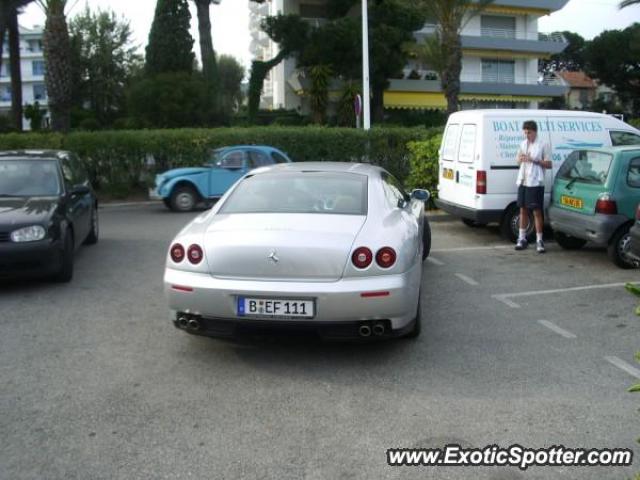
(366, 107)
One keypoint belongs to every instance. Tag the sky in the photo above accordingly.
(230, 20)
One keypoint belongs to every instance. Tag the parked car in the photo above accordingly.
(47, 210)
(477, 158)
(336, 248)
(595, 195)
(634, 237)
(181, 189)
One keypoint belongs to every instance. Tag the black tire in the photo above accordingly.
(426, 239)
(417, 323)
(510, 225)
(92, 238)
(618, 248)
(183, 199)
(568, 242)
(473, 223)
(65, 274)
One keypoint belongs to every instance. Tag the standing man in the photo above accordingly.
(533, 158)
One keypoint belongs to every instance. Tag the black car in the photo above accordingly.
(634, 237)
(47, 210)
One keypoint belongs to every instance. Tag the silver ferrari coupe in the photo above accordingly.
(334, 248)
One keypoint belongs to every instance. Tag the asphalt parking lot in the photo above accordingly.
(517, 347)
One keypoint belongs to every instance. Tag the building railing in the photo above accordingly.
(505, 33)
(478, 77)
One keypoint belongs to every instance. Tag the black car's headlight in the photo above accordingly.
(28, 234)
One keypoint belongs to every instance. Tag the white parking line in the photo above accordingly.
(557, 329)
(466, 279)
(504, 297)
(435, 261)
(622, 365)
(470, 249)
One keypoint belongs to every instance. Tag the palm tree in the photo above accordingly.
(628, 3)
(450, 17)
(57, 55)
(208, 54)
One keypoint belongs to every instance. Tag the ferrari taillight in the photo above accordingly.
(386, 257)
(177, 252)
(194, 254)
(362, 257)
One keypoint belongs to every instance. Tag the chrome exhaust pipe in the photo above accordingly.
(183, 321)
(193, 324)
(378, 329)
(364, 330)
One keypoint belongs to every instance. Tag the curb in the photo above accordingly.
(128, 204)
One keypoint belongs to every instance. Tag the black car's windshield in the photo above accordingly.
(586, 166)
(300, 192)
(29, 178)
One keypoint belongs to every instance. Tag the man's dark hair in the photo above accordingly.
(530, 125)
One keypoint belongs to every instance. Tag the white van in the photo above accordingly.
(477, 158)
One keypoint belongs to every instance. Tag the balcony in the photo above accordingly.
(515, 41)
(551, 5)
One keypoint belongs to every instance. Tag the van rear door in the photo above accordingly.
(447, 167)
(457, 164)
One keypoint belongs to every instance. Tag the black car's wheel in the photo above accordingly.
(183, 199)
(619, 249)
(65, 274)
(510, 226)
(567, 241)
(426, 239)
(92, 238)
(417, 324)
(473, 223)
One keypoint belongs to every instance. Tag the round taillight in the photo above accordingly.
(194, 254)
(362, 257)
(177, 253)
(386, 257)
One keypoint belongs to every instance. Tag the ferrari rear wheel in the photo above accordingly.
(426, 240)
(417, 324)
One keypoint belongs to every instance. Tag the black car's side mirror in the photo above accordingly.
(80, 190)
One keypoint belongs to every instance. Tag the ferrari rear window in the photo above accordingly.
(300, 192)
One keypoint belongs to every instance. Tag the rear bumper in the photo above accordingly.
(338, 305)
(480, 216)
(30, 259)
(597, 228)
(634, 245)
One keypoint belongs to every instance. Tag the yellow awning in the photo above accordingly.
(507, 54)
(516, 10)
(437, 100)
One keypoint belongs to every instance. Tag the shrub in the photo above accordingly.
(634, 122)
(118, 159)
(423, 171)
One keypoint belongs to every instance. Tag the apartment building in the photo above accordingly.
(501, 49)
(32, 68)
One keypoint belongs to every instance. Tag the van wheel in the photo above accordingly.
(183, 199)
(568, 242)
(426, 240)
(619, 247)
(473, 223)
(510, 226)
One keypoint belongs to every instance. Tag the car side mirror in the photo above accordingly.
(80, 190)
(422, 195)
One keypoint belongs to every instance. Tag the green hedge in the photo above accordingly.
(121, 160)
(424, 165)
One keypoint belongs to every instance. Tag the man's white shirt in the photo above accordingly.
(531, 175)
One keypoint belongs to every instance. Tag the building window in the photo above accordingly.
(498, 71)
(495, 26)
(5, 93)
(5, 71)
(34, 45)
(39, 91)
(37, 67)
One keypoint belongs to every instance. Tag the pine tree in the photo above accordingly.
(170, 47)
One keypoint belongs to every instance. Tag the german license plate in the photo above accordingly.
(447, 173)
(571, 201)
(275, 308)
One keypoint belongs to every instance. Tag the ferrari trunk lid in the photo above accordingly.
(285, 247)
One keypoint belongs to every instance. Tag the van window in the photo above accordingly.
(467, 150)
(586, 166)
(449, 144)
(633, 177)
(624, 138)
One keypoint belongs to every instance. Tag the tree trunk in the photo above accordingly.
(452, 69)
(3, 30)
(16, 74)
(208, 54)
(377, 103)
(259, 71)
(57, 54)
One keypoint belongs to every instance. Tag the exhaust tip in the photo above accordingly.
(183, 321)
(364, 331)
(193, 324)
(378, 329)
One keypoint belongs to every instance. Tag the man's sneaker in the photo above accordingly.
(522, 244)
(540, 246)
